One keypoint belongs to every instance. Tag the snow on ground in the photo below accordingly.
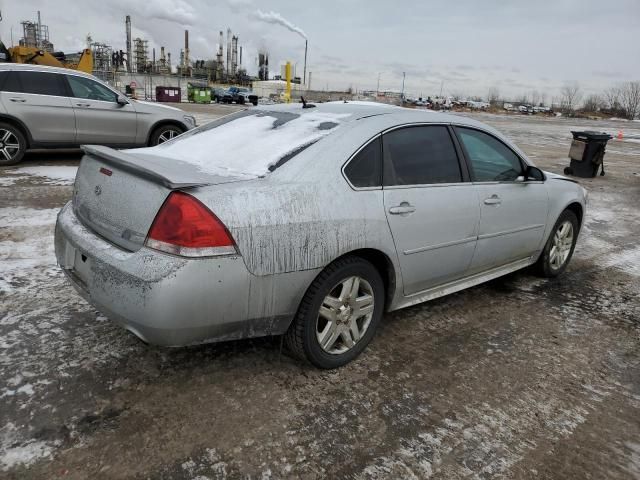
(14, 453)
(45, 174)
(27, 217)
(554, 132)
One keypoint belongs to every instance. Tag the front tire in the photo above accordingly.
(560, 246)
(13, 145)
(338, 315)
(163, 134)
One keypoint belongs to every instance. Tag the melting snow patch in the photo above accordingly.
(27, 217)
(51, 175)
(14, 452)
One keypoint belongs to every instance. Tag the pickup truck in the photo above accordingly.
(242, 95)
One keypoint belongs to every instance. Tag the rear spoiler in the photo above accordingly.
(171, 173)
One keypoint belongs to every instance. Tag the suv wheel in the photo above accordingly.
(338, 315)
(12, 144)
(164, 133)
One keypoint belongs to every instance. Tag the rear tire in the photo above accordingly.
(163, 134)
(13, 145)
(559, 247)
(350, 294)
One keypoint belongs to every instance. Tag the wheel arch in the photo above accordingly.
(577, 209)
(383, 264)
(19, 125)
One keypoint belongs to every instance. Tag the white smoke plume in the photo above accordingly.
(277, 19)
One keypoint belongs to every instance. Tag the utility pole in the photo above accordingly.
(304, 78)
(402, 94)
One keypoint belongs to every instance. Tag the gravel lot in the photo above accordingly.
(518, 378)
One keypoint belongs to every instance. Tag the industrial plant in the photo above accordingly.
(140, 69)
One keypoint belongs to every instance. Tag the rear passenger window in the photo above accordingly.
(365, 168)
(86, 88)
(420, 156)
(41, 83)
(11, 83)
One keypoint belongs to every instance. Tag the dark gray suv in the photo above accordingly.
(48, 107)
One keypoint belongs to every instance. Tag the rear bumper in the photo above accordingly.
(163, 299)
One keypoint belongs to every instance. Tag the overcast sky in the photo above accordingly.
(463, 46)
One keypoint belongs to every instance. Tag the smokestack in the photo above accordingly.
(39, 33)
(240, 62)
(219, 58)
(228, 51)
(128, 30)
(304, 79)
(186, 51)
(234, 55)
(153, 65)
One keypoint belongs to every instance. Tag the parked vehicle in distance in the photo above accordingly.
(49, 107)
(292, 229)
(242, 95)
(220, 95)
(478, 105)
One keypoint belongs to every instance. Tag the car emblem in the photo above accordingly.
(97, 190)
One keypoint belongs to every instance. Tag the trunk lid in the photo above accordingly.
(117, 194)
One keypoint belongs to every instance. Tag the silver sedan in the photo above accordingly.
(308, 222)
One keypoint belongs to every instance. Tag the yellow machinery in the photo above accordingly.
(41, 57)
(287, 71)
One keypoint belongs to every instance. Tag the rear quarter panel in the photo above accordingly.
(289, 225)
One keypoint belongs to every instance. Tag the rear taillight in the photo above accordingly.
(185, 227)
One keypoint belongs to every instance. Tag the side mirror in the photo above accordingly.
(534, 174)
(122, 100)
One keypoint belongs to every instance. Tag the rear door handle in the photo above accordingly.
(493, 200)
(22, 100)
(402, 209)
(83, 104)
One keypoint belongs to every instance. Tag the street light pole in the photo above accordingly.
(304, 75)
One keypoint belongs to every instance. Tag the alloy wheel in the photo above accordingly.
(345, 315)
(167, 135)
(561, 246)
(9, 145)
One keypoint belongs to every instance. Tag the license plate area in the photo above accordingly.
(77, 264)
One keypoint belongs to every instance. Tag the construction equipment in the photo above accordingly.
(57, 59)
(35, 48)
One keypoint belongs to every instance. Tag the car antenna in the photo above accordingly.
(305, 104)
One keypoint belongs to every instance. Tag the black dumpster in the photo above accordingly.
(587, 153)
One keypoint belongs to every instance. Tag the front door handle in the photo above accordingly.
(493, 200)
(403, 209)
(83, 104)
(22, 100)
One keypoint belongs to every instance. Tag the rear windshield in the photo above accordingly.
(249, 142)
